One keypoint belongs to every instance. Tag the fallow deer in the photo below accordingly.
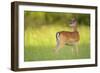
(68, 37)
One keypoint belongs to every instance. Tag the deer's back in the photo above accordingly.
(69, 37)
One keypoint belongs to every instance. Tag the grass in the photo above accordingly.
(39, 44)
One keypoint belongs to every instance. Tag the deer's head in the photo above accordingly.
(73, 22)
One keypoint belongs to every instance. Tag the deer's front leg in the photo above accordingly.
(77, 49)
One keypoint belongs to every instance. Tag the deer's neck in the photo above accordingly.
(74, 28)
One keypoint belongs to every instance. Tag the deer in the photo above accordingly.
(68, 37)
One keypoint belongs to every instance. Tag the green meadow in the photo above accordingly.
(40, 37)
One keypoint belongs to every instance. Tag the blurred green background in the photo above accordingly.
(40, 35)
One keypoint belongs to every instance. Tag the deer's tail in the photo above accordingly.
(57, 36)
(57, 41)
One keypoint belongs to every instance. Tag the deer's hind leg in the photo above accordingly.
(60, 44)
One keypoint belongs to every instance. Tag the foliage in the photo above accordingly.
(49, 18)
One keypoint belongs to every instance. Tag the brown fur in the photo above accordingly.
(69, 37)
